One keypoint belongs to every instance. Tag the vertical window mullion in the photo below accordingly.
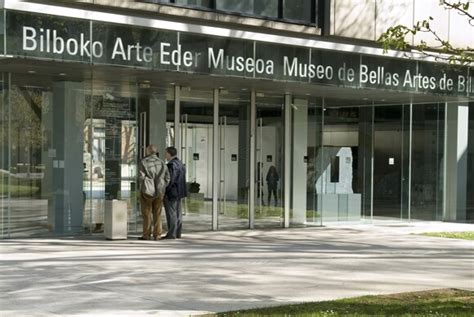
(313, 10)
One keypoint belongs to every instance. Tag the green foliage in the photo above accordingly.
(446, 302)
(396, 37)
(27, 191)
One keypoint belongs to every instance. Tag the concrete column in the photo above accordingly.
(216, 160)
(299, 166)
(253, 121)
(68, 114)
(456, 145)
(287, 162)
(243, 153)
(365, 160)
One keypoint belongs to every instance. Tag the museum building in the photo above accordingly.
(285, 113)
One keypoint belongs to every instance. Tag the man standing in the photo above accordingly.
(153, 177)
(175, 191)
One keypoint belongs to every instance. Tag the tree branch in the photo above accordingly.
(394, 38)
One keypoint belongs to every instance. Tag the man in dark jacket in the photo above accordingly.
(175, 191)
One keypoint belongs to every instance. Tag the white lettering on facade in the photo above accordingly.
(29, 42)
(49, 41)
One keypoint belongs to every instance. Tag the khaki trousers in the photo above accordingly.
(151, 211)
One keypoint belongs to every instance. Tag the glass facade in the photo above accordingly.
(348, 162)
(299, 146)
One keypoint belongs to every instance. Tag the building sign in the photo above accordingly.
(56, 38)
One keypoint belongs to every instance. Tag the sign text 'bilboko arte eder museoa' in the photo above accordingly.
(64, 39)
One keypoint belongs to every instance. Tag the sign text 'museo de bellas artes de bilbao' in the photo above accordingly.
(71, 40)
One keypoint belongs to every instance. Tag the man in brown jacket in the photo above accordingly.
(154, 176)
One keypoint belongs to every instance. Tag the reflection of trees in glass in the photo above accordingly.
(128, 142)
(109, 106)
(21, 135)
(25, 127)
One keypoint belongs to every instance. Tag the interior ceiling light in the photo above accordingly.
(31, 72)
(62, 74)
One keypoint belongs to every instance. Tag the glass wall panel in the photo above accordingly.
(2, 31)
(234, 133)
(44, 166)
(268, 8)
(197, 111)
(195, 3)
(110, 151)
(306, 143)
(269, 155)
(405, 165)
(4, 155)
(427, 162)
(389, 140)
(343, 174)
(298, 10)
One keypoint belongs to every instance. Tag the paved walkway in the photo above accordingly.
(219, 271)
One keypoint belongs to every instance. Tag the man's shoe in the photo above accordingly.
(143, 238)
(168, 237)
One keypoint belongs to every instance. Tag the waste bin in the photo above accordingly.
(115, 220)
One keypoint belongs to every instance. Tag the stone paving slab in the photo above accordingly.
(221, 271)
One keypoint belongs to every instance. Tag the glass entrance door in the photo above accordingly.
(269, 153)
(196, 124)
(390, 155)
(234, 151)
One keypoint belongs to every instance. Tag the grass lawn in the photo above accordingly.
(466, 235)
(18, 190)
(444, 302)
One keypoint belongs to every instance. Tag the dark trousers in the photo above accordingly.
(274, 191)
(174, 217)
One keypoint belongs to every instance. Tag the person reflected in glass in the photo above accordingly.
(175, 191)
(272, 184)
